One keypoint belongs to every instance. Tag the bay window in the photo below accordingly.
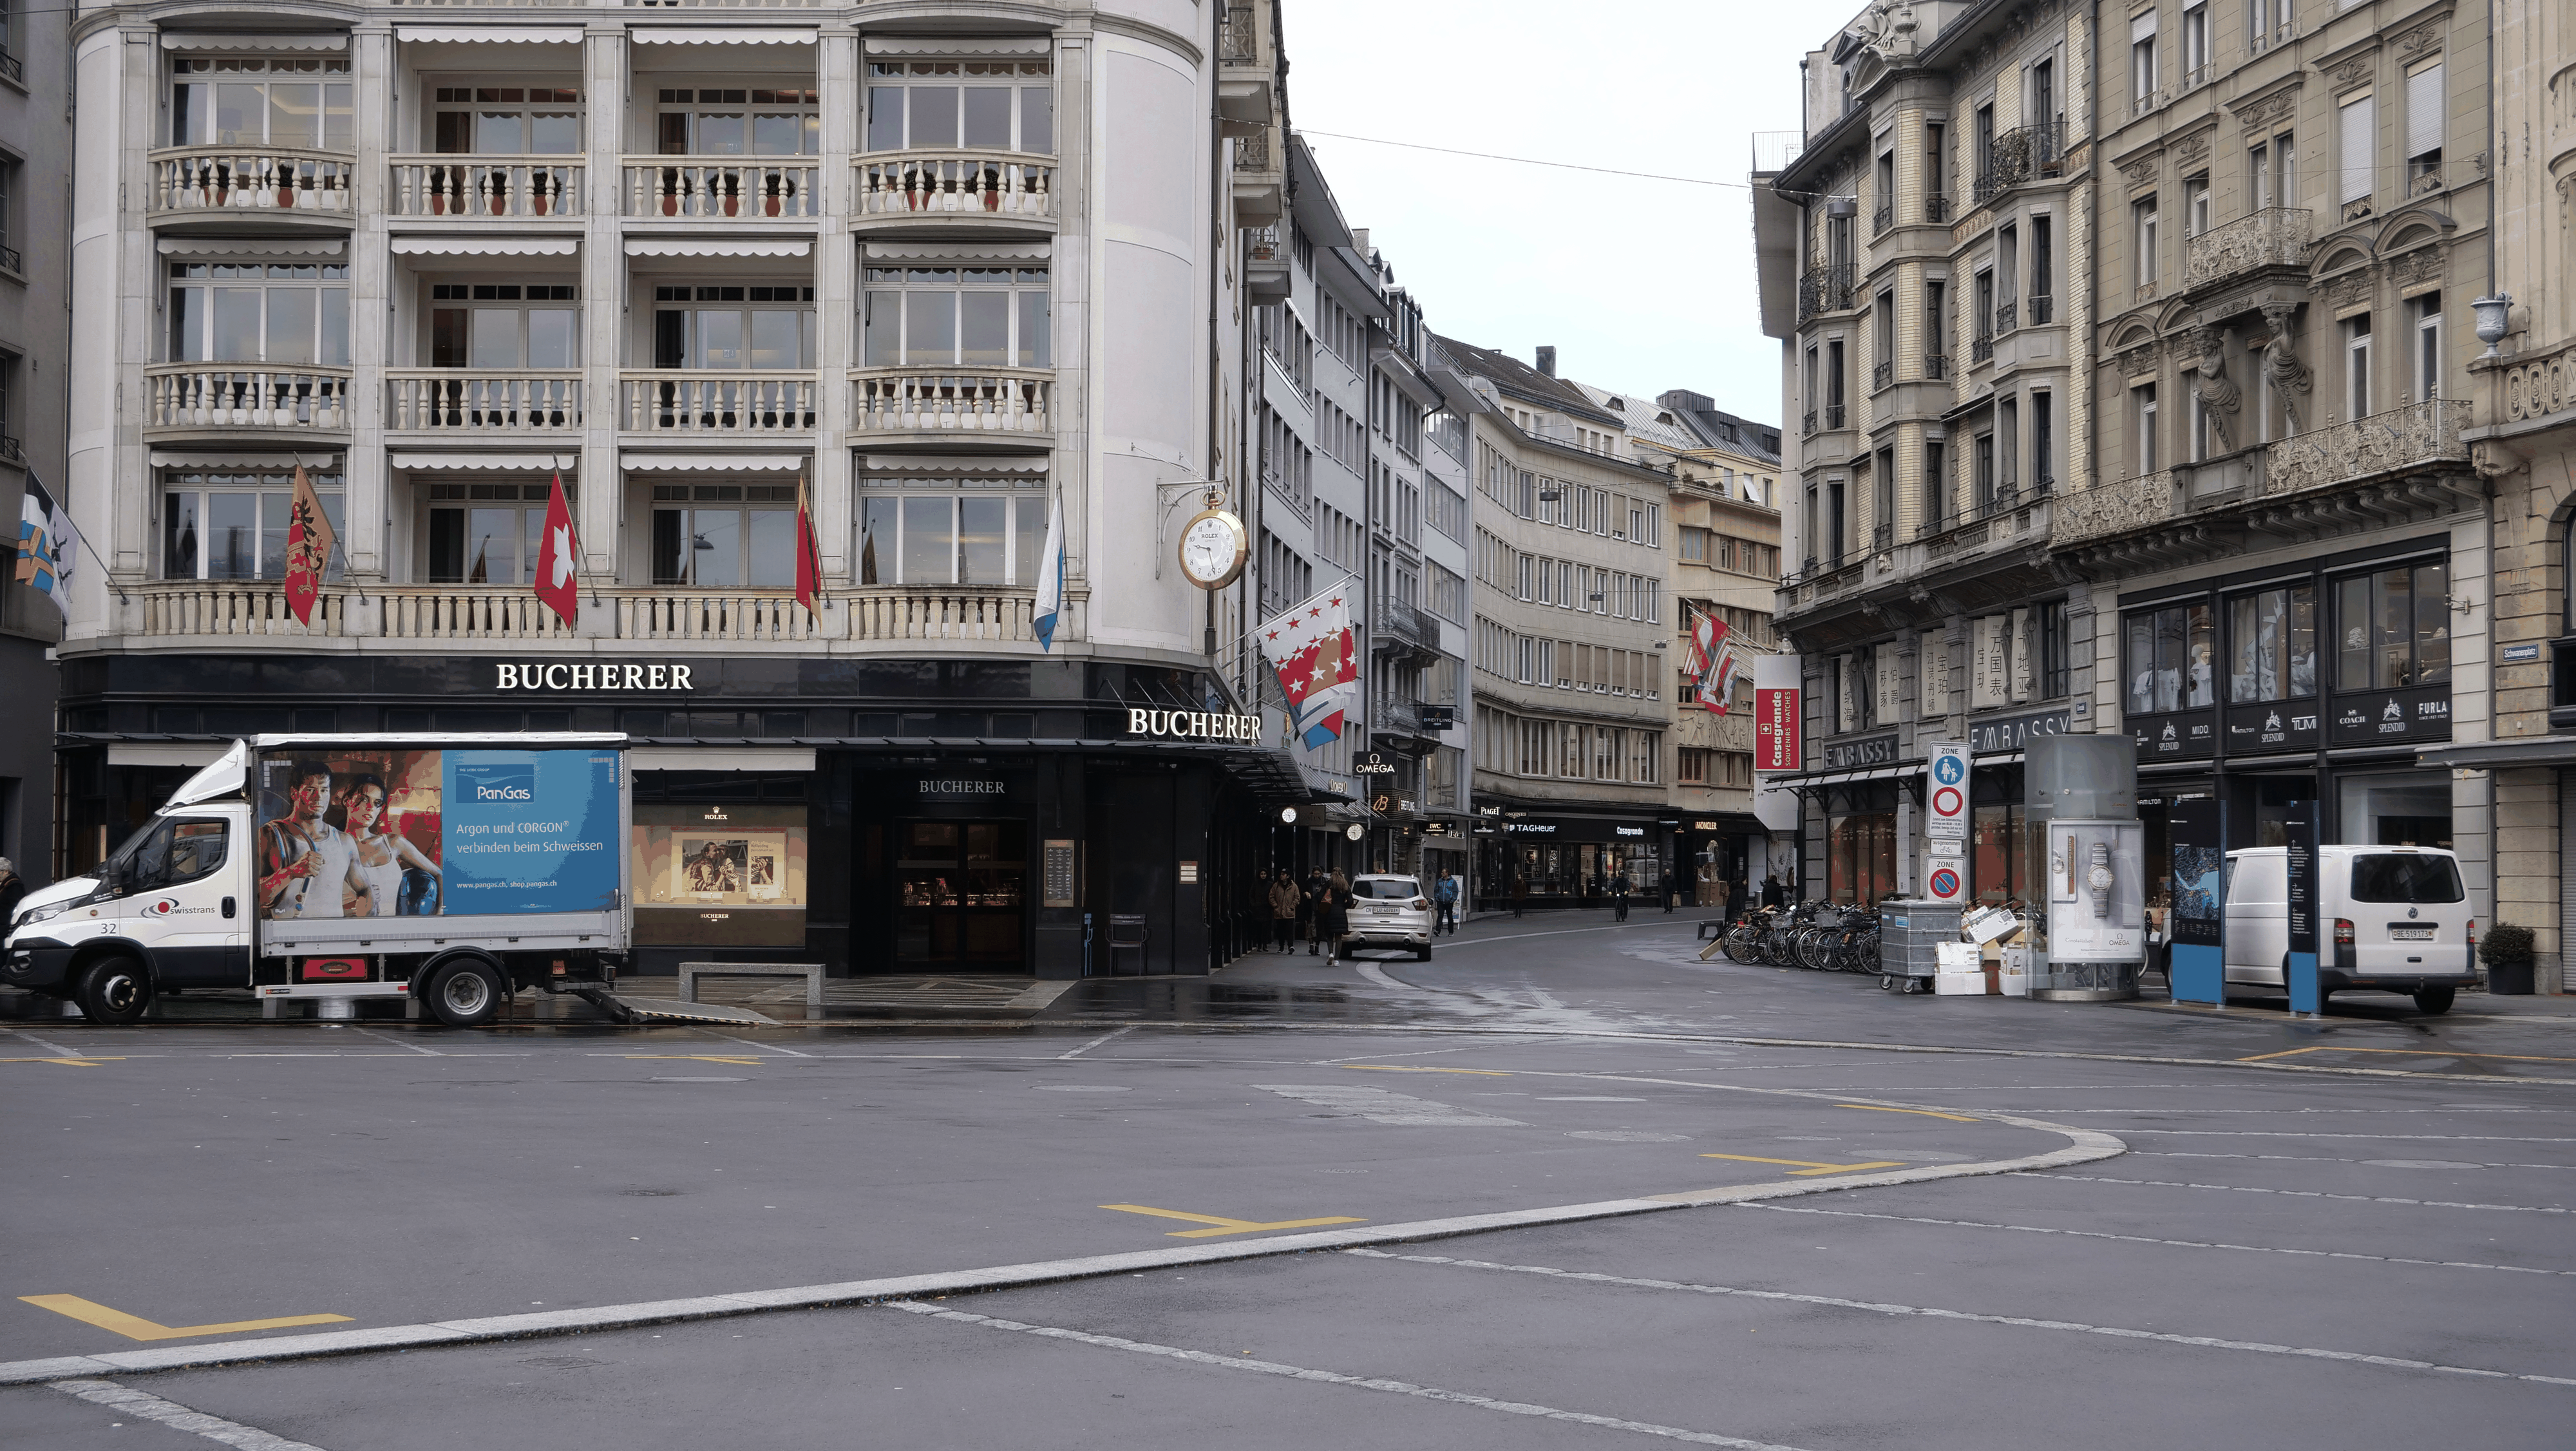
(231, 523)
(250, 312)
(965, 531)
(285, 101)
(990, 317)
(990, 105)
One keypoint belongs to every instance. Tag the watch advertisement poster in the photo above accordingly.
(726, 874)
(2097, 903)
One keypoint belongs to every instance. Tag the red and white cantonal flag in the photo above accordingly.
(1310, 647)
(1714, 665)
(558, 556)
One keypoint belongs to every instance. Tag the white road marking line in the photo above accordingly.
(1094, 1043)
(2084, 1146)
(57, 1049)
(177, 1417)
(2325, 1254)
(763, 1047)
(399, 1043)
(1329, 1377)
(2374, 1112)
(1379, 1105)
(2289, 1134)
(1378, 975)
(2309, 1159)
(2297, 1193)
(1874, 1307)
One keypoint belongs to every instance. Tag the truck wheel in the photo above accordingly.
(115, 992)
(2434, 999)
(464, 994)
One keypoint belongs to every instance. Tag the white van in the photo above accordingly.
(2389, 918)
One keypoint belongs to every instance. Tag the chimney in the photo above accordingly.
(1359, 240)
(1547, 361)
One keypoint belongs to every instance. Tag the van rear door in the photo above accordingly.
(2409, 913)
(2258, 915)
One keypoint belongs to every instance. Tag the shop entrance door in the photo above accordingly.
(961, 894)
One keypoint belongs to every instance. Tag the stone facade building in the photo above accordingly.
(35, 375)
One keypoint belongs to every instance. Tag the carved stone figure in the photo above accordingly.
(1886, 30)
(2282, 370)
(2216, 391)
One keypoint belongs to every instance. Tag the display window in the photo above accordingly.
(2171, 659)
(2272, 639)
(719, 874)
(2393, 628)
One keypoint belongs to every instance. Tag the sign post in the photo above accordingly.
(1945, 819)
(2305, 1001)
(2196, 920)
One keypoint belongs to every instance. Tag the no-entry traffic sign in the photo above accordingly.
(1945, 791)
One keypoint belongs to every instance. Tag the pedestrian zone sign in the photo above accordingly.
(1945, 791)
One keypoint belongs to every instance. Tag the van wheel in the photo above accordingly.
(464, 994)
(115, 992)
(2434, 999)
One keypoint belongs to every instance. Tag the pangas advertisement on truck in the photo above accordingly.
(381, 832)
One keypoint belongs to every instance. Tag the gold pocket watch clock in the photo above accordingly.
(1213, 549)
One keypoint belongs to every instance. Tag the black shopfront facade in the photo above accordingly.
(1568, 854)
(2318, 680)
(898, 816)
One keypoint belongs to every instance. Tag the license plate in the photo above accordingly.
(2410, 934)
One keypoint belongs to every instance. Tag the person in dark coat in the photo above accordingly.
(1309, 905)
(1333, 916)
(1772, 894)
(1520, 892)
(13, 889)
(1286, 901)
(1735, 894)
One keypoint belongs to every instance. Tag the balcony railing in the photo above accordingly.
(946, 400)
(2042, 306)
(11, 260)
(486, 186)
(2007, 316)
(963, 183)
(1882, 219)
(2114, 508)
(2381, 443)
(721, 189)
(1237, 42)
(482, 400)
(250, 178)
(1807, 424)
(2025, 153)
(1396, 628)
(13, 67)
(1833, 415)
(1981, 348)
(716, 401)
(2272, 237)
(1936, 366)
(478, 612)
(245, 395)
(1881, 374)
(1825, 289)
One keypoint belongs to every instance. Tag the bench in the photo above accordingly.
(812, 972)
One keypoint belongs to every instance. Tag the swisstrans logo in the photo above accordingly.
(162, 907)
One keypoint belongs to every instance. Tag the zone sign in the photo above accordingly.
(1945, 791)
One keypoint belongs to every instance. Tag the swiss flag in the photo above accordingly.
(809, 555)
(558, 555)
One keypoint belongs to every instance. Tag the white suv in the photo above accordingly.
(1390, 912)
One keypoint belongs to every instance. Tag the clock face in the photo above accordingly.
(1212, 549)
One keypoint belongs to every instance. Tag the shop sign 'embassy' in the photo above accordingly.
(593, 677)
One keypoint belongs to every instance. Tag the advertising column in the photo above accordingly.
(2301, 833)
(2196, 918)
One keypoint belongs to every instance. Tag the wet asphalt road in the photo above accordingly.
(2278, 1258)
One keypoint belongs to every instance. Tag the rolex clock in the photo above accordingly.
(1213, 549)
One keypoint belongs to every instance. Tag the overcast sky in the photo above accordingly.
(1641, 285)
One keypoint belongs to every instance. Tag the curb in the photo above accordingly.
(2086, 1146)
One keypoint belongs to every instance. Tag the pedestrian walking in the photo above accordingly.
(1735, 894)
(1520, 892)
(1620, 887)
(12, 888)
(1287, 899)
(1310, 909)
(1333, 916)
(1771, 893)
(1444, 896)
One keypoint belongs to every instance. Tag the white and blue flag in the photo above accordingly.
(47, 544)
(1050, 601)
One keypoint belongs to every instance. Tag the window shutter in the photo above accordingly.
(2359, 127)
(2424, 110)
(2142, 27)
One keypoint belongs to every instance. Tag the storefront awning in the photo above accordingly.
(726, 35)
(712, 247)
(1801, 780)
(229, 40)
(668, 463)
(2535, 751)
(488, 34)
(566, 461)
(243, 247)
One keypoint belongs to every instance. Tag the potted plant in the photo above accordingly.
(2508, 954)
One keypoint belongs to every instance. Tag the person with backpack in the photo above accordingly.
(1444, 900)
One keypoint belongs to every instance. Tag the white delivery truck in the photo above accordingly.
(2389, 919)
(454, 870)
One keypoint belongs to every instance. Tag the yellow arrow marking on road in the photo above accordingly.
(134, 1327)
(1220, 1225)
(1808, 1167)
(1408, 1068)
(698, 1058)
(66, 1062)
(1927, 1113)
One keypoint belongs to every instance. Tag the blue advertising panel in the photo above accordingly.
(2196, 921)
(2302, 833)
(530, 831)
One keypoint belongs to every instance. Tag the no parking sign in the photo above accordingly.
(1945, 884)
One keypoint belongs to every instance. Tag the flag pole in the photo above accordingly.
(84, 537)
